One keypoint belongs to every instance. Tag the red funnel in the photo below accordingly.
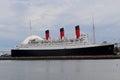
(47, 35)
(77, 31)
(61, 33)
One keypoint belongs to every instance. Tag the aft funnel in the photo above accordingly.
(77, 31)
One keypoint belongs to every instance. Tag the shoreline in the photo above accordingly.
(95, 57)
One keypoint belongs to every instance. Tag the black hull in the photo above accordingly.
(97, 50)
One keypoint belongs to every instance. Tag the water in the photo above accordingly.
(60, 70)
(3, 52)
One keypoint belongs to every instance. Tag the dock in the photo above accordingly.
(95, 57)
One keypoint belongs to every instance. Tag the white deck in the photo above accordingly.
(49, 46)
(34, 43)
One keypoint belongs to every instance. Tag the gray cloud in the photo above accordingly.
(53, 14)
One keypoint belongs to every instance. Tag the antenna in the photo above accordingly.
(94, 38)
(30, 27)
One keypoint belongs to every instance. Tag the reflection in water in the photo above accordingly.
(60, 70)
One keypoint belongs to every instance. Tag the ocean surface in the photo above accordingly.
(108, 69)
(60, 69)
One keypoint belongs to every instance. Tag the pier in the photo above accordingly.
(63, 57)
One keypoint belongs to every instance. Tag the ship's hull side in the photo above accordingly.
(96, 50)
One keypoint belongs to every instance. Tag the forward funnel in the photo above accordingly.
(47, 35)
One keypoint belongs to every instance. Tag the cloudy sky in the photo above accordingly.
(15, 16)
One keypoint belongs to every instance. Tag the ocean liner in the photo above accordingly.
(36, 46)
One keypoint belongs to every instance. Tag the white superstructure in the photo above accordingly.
(35, 42)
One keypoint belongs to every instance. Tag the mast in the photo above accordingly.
(94, 38)
(30, 27)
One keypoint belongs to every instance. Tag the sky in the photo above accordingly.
(15, 17)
